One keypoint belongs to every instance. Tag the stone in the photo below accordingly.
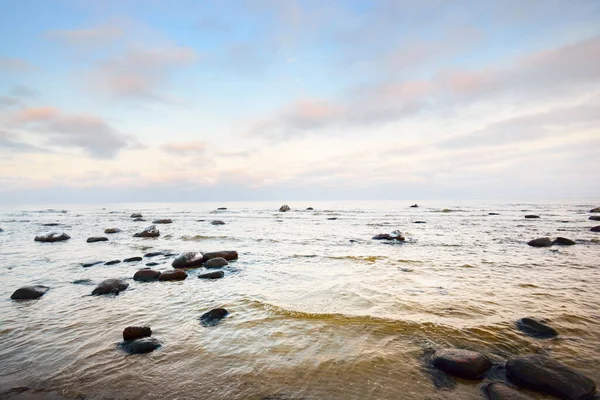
(217, 222)
(395, 235)
(136, 215)
(414, 206)
(500, 391)
(492, 213)
(595, 229)
(284, 208)
(543, 374)
(1, 230)
(213, 317)
(229, 255)
(152, 264)
(136, 332)
(154, 254)
(310, 209)
(595, 218)
(146, 275)
(419, 222)
(97, 239)
(332, 218)
(595, 210)
(139, 220)
(172, 275)
(536, 328)
(216, 262)
(91, 263)
(188, 259)
(29, 292)
(461, 363)
(149, 232)
(222, 208)
(110, 286)
(52, 237)
(141, 346)
(540, 242)
(212, 275)
(113, 262)
(112, 230)
(564, 241)
(532, 216)
(51, 224)
(132, 259)
(162, 221)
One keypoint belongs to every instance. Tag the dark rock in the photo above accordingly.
(419, 222)
(51, 224)
(284, 208)
(141, 346)
(149, 232)
(213, 317)
(332, 218)
(1, 230)
(146, 275)
(97, 239)
(414, 206)
(110, 286)
(564, 241)
(112, 230)
(217, 222)
(132, 259)
(532, 216)
(188, 259)
(595, 229)
(395, 235)
(540, 242)
(172, 275)
(222, 208)
(226, 254)
(52, 237)
(152, 264)
(595, 218)
(493, 213)
(91, 263)
(83, 282)
(162, 221)
(139, 220)
(154, 254)
(500, 391)
(310, 209)
(29, 292)
(216, 262)
(546, 375)
(113, 262)
(536, 328)
(595, 210)
(462, 363)
(136, 215)
(136, 332)
(212, 275)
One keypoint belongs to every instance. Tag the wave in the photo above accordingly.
(199, 238)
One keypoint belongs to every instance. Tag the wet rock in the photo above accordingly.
(1, 230)
(332, 218)
(149, 232)
(141, 346)
(217, 222)
(419, 222)
(595, 218)
(52, 237)
(112, 262)
(97, 239)
(91, 263)
(395, 235)
(284, 208)
(51, 224)
(493, 213)
(82, 282)
(172, 275)
(310, 209)
(564, 241)
(212, 275)
(500, 391)
(532, 216)
(595, 229)
(110, 286)
(139, 220)
(152, 264)
(112, 230)
(146, 275)
(162, 221)
(462, 363)
(213, 317)
(414, 206)
(595, 210)
(29, 292)
(536, 328)
(188, 259)
(546, 375)
(229, 255)
(154, 254)
(136, 332)
(222, 208)
(540, 242)
(132, 259)
(216, 262)
(136, 215)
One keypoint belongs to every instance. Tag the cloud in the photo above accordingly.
(8, 64)
(12, 142)
(185, 148)
(96, 36)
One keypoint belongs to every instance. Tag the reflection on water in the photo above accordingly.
(318, 310)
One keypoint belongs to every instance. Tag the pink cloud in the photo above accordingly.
(192, 148)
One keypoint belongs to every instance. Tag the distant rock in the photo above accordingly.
(419, 222)
(110, 286)
(414, 206)
(564, 241)
(154, 254)
(532, 216)
(146, 275)
(213, 317)
(536, 328)
(212, 275)
(139, 220)
(162, 221)
(112, 262)
(500, 391)
(540, 242)
(152, 264)
(284, 208)
(1, 230)
(136, 215)
(462, 363)
(51, 224)
(395, 235)
(149, 232)
(595, 218)
(172, 275)
(52, 237)
(331, 218)
(97, 239)
(543, 374)
(595, 229)
(216, 262)
(217, 222)
(310, 209)
(188, 259)
(82, 282)
(229, 255)
(91, 263)
(132, 259)
(29, 292)
(493, 213)
(222, 208)
(595, 210)
(112, 230)
(136, 332)
(141, 346)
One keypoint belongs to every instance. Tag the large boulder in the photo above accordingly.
(540, 242)
(112, 230)
(595, 210)
(136, 215)
(462, 363)
(213, 317)
(136, 332)
(595, 229)
(543, 374)
(189, 259)
(216, 262)
(149, 232)
(52, 237)
(29, 292)
(172, 275)
(141, 346)
(97, 239)
(229, 255)
(162, 221)
(146, 275)
(212, 275)
(284, 208)
(564, 241)
(536, 328)
(500, 391)
(110, 286)
(395, 235)
(532, 216)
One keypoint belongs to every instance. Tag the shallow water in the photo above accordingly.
(313, 315)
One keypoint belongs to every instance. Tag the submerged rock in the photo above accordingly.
(97, 239)
(112, 230)
(532, 216)
(419, 222)
(113, 262)
(110, 286)
(146, 275)
(284, 208)
(595, 218)
(462, 363)
(162, 221)
(212, 275)
(216, 262)
(229, 255)
(540, 242)
(154, 254)
(188, 259)
(213, 317)
(141, 346)
(136, 215)
(564, 241)
(91, 263)
(492, 213)
(546, 375)
(595, 210)
(395, 235)
(52, 237)
(29, 292)
(132, 259)
(217, 222)
(136, 332)
(149, 232)
(173, 275)
(500, 391)
(595, 229)
(536, 328)
(152, 264)
(139, 220)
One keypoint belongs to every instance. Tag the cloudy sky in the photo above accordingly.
(280, 99)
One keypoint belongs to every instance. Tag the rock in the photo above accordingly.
(113, 262)
(540, 242)
(154, 254)
(216, 262)
(500, 391)
(212, 275)
(213, 317)
(229, 255)
(91, 263)
(493, 213)
(532, 216)
(29, 292)
(110, 286)
(139, 220)
(284, 208)
(462, 363)
(162, 221)
(152, 264)
(82, 282)
(395, 235)
(132, 259)
(332, 218)
(136, 332)
(146, 275)
(52, 237)
(1, 230)
(141, 346)
(595, 218)
(310, 209)
(136, 215)
(149, 232)
(595, 210)
(112, 230)
(564, 241)
(97, 239)
(172, 275)
(222, 208)
(546, 375)
(51, 224)
(419, 222)
(217, 222)
(536, 328)
(414, 206)
(188, 259)
(595, 229)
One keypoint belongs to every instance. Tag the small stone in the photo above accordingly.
(146, 275)
(173, 275)
(91, 263)
(462, 363)
(540, 242)
(139, 220)
(500, 391)
(152, 264)
(216, 262)
(564, 241)
(188, 259)
(310, 209)
(52, 237)
(492, 213)
(110, 286)
(154, 254)
(136, 332)
(132, 259)
(532, 216)
(149, 232)
(332, 218)
(222, 208)
(162, 221)
(136, 215)
(536, 328)
(97, 239)
(213, 317)
(141, 346)
(284, 208)
(113, 262)
(29, 292)
(217, 222)
(212, 275)
(112, 230)
(419, 222)
(229, 255)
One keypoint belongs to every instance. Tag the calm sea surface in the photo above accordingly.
(318, 310)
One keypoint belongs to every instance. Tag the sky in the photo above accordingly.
(191, 100)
